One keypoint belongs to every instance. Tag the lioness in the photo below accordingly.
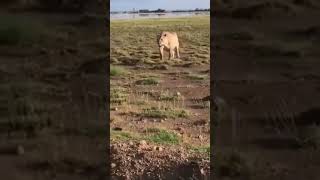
(169, 41)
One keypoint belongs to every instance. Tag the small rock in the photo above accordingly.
(180, 129)
(178, 93)
(159, 149)
(114, 109)
(131, 143)
(200, 137)
(123, 145)
(43, 51)
(142, 143)
(113, 165)
(202, 171)
(117, 129)
(20, 150)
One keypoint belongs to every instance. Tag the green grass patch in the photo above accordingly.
(118, 95)
(139, 102)
(153, 135)
(149, 75)
(17, 30)
(200, 149)
(152, 130)
(161, 136)
(154, 112)
(117, 71)
(123, 135)
(168, 96)
(148, 81)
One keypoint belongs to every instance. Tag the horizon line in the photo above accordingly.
(134, 9)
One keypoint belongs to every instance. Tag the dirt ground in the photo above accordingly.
(267, 71)
(160, 108)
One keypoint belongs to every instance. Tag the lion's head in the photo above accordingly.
(164, 39)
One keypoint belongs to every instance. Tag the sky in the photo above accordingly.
(125, 5)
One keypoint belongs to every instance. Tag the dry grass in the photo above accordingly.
(136, 40)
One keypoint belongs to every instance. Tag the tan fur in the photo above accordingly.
(169, 41)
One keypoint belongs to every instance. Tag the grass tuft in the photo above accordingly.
(154, 112)
(122, 135)
(164, 137)
(200, 149)
(118, 95)
(148, 81)
(168, 96)
(197, 77)
(117, 71)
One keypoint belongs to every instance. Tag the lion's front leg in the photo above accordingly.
(161, 52)
(171, 54)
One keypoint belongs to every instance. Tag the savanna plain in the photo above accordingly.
(159, 109)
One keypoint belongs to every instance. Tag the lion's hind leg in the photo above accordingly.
(178, 53)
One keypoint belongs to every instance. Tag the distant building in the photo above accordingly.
(197, 9)
(144, 11)
(154, 11)
(160, 11)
